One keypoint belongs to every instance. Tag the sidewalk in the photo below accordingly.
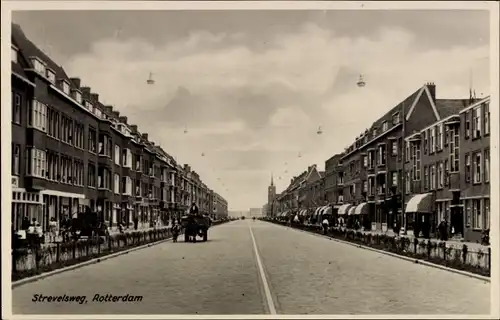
(455, 243)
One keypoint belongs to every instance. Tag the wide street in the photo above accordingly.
(303, 274)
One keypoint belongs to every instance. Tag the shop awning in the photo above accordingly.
(421, 203)
(352, 210)
(287, 213)
(344, 209)
(361, 208)
(303, 212)
(326, 210)
(316, 212)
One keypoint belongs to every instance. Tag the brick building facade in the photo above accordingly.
(69, 151)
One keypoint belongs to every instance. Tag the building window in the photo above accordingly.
(477, 167)
(394, 148)
(454, 150)
(439, 138)
(127, 186)
(65, 87)
(78, 97)
(365, 186)
(66, 129)
(78, 173)
(37, 115)
(476, 122)
(487, 165)
(13, 54)
(91, 175)
(486, 118)
(89, 106)
(486, 213)
(79, 132)
(117, 154)
(66, 169)
(51, 76)
(374, 133)
(92, 140)
(477, 219)
(433, 177)
(105, 145)
(396, 118)
(416, 161)
(394, 178)
(467, 168)
(467, 124)
(365, 161)
(39, 66)
(36, 163)
(446, 172)
(16, 108)
(116, 185)
(426, 178)
(381, 155)
(426, 141)
(103, 178)
(385, 126)
(16, 159)
(432, 140)
(440, 174)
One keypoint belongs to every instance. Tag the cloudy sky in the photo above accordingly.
(252, 87)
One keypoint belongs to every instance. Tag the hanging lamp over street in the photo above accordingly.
(150, 80)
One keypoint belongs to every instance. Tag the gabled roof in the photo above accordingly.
(448, 107)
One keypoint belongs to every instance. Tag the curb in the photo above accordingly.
(89, 262)
(417, 261)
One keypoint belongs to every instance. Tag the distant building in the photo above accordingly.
(255, 212)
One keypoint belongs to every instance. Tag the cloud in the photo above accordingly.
(251, 111)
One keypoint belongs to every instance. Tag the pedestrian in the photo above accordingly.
(176, 229)
(136, 222)
(325, 224)
(52, 229)
(26, 223)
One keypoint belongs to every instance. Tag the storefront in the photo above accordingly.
(57, 204)
(26, 204)
(420, 215)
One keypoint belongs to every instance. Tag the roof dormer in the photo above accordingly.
(51, 75)
(39, 65)
(14, 53)
(65, 86)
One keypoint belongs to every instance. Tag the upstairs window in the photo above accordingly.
(51, 76)
(16, 108)
(477, 167)
(476, 122)
(37, 115)
(65, 87)
(385, 126)
(486, 118)
(39, 66)
(13, 54)
(78, 97)
(396, 119)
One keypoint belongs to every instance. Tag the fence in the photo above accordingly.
(27, 262)
(462, 258)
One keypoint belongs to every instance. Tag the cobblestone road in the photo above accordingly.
(306, 274)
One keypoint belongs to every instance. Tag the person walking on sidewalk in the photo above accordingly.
(325, 224)
(52, 229)
(443, 230)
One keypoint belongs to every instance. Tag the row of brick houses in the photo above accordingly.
(70, 150)
(430, 154)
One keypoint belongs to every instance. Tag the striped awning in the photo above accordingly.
(316, 212)
(421, 203)
(286, 213)
(361, 208)
(303, 212)
(352, 210)
(327, 210)
(344, 209)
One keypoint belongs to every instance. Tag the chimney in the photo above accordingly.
(94, 97)
(432, 89)
(145, 136)
(76, 82)
(123, 120)
(108, 109)
(85, 92)
(133, 127)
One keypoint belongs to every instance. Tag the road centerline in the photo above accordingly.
(267, 291)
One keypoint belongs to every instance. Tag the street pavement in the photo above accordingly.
(302, 274)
